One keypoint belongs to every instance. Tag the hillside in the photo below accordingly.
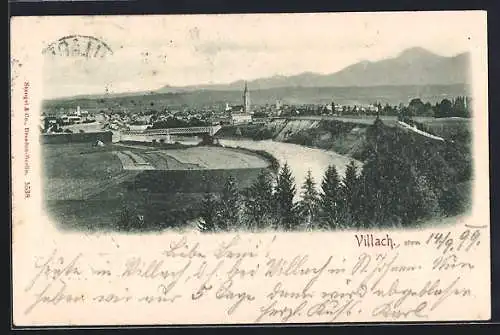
(345, 138)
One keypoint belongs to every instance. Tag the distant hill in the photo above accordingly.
(415, 66)
(292, 95)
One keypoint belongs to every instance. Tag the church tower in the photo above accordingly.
(246, 99)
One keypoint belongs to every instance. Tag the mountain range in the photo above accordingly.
(415, 72)
(412, 67)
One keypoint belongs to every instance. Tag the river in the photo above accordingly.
(299, 158)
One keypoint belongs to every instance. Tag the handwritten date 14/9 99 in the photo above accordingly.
(446, 242)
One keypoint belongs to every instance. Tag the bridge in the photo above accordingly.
(165, 134)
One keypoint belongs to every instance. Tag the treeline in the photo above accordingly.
(457, 107)
(405, 180)
(267, 204)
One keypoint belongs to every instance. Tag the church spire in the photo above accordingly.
(246, 98)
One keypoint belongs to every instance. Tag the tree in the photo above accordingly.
(388, 110)
(310, 199)
(284, 194)
(445, 109)
(424, 202)
(258, 201)
(456, 199)
(374, 138)
(350, 202)
(416, 107)
(382, 197)
(229, 204)
(401, 181)
(209, 212)
(428, 109)
(330, 198)
(460, 107)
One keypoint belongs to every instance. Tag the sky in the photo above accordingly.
(152, 51)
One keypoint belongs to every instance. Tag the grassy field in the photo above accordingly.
(71, 173)
(87, 188)
(449, 127)
(217, 158)
(164, 199)
(158, 212)
(164, 161)
(196, 157)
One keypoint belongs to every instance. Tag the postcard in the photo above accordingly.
(250, 169)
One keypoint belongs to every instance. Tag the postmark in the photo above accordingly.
(78, 46)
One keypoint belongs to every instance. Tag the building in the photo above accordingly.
(240, 118)
(221, 120)
(74, 119)
(241, 113)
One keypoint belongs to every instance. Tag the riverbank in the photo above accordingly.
(345, 138)
(274, 163)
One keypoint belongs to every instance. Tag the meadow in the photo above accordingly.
(86, 187)
(448, 127)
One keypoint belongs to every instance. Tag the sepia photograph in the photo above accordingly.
(250, 168)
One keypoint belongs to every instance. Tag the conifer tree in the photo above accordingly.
(258, 202)
(284, 194)
(373, 196)
(330, 198)
(230, 204)
(209, 212)
(350, 196)
(310, 199)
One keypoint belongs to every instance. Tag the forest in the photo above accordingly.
(406, 179)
